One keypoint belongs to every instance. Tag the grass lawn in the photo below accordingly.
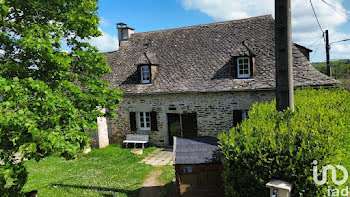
(166, 178)
(111, 171)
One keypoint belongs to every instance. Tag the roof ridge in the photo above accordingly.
(191, 26)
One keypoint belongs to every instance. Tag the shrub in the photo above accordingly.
(283, 145)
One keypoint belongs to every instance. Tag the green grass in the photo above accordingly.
(111, 171)
(167, 175)
(166, 178)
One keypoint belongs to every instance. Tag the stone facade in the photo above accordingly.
(214, 112)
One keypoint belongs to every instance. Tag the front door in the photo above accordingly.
(182, 125)
(174, 127)
(189, 125)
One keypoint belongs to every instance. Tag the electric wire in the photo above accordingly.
(316, 50)
(315, 42)
(339, 41)
(341, 12)
(313, 9)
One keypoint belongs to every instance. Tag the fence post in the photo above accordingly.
(279, 188)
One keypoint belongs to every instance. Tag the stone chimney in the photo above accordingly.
(124, 32)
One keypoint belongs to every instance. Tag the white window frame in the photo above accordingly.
(144, 80)
(143, 119)
(238, 65)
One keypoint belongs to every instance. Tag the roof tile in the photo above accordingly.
(198, 59)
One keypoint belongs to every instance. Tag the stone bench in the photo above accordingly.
(136, 139)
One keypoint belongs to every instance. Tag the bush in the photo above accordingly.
(276, 145)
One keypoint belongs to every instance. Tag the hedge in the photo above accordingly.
(283, 145)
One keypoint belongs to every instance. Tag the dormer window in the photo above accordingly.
(145, 74)
(243, 67)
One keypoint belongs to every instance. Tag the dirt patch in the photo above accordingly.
(150, 186)
(153, 188)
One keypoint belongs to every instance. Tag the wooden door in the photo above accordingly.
(189, 125)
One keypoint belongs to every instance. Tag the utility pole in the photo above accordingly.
(329, 71)
(283, 55)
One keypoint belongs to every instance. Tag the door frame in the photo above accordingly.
(181, 125)
(168, 128)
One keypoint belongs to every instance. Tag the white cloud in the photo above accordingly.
(105, 43)
(104, 22)
(305, 27)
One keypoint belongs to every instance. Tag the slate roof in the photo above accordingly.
(198, 59)
(199, 150)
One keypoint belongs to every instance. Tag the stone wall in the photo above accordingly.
(214, 112)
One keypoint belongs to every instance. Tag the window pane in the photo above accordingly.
(145, 73)
(243, 67)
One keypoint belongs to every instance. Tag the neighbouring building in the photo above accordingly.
(198, 80)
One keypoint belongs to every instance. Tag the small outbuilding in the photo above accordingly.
(198, 167)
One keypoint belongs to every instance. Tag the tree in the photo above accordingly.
(48, 96)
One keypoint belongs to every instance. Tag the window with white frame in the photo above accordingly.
(243, 67)
(144, 121)
(145, 74)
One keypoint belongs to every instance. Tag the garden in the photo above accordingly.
(110, 171)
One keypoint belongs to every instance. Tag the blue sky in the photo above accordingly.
(149, 15)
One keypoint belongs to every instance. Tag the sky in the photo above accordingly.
(150, 15)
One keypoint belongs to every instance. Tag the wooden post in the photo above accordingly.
(283, 55)
(329, 70)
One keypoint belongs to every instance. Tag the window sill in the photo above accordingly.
(145, 129)
(142, 84)
(246, 78)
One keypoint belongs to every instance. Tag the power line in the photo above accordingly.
(316, 17)
(339, 41)
(341, 12)
(315, 42)
(316, 50)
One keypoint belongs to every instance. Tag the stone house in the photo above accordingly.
(198, 80)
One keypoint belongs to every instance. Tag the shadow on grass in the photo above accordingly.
(167, 190)
(100, 189)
